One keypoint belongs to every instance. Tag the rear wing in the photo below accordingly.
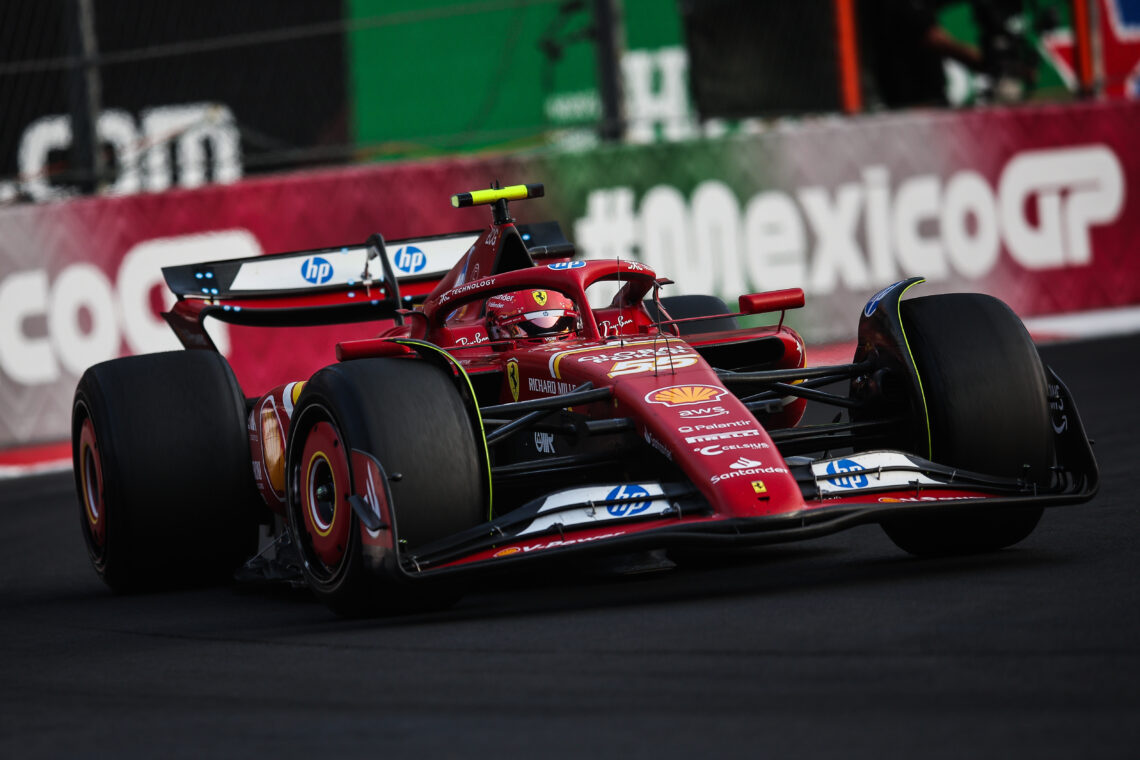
(356, 283)
(322, 270)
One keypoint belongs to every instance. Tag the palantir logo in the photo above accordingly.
(846, 465)
(316, 270)
(630, 507)
(410, 259)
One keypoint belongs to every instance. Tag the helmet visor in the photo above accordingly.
(540, 323)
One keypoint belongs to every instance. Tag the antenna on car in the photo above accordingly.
(621, 303)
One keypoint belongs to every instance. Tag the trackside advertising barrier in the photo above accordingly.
(1038, 206)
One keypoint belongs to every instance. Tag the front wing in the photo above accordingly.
(837, 493)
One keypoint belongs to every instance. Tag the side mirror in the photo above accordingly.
(774, 300)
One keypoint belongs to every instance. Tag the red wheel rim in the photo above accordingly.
(91, 483)
(325, 488)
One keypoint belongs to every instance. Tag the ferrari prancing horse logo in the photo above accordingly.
(539, 297)
(513, 378)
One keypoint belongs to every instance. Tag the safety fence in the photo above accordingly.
(119, 97)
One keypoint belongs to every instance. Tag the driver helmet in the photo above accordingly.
(532, 315)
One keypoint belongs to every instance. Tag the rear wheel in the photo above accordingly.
(408, 414)
(986, 401)
(162, 470)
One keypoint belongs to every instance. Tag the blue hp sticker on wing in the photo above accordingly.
(316, 270)
(628, 508)
(410, 259)
(846, 465)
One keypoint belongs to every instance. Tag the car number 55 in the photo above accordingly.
(652, 364)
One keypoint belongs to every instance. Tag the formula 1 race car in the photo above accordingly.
(501, 419)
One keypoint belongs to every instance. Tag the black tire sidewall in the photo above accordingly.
(984, 395)
(410, 416)
(984, 385)
(181, 503)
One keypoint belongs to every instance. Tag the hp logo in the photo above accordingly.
(317, 270)
(410, 259)
(846, 465)
(629, 507)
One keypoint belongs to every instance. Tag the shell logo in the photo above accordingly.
(507, 552)
(681, 395)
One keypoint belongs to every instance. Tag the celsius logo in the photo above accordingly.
(628, 508)
(317, 270)
(846, 465)
(566, 265)
(410, 259)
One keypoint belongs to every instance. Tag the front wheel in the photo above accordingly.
(984, 395)
(408, 414)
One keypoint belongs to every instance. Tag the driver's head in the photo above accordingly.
(532, 315)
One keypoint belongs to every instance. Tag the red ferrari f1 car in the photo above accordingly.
(501, 419)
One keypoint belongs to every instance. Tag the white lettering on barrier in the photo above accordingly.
(26, 360)
(1074, 189)
(87, 317)
(836, 249)
(774, 241)
(928, 227)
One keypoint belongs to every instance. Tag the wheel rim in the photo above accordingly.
(91, 486)
(325, 486)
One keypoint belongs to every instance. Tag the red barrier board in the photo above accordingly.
(1035, 205)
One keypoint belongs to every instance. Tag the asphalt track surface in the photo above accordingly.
(841, 647)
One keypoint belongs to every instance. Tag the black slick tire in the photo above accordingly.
(986, 400)
(162, 470)
(409, 415)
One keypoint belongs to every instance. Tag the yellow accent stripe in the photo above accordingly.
(474, 399)
(921, 392)
(512, 193)
(308, 486)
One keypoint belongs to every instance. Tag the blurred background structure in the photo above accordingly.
(135, 96)
(733, 145)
